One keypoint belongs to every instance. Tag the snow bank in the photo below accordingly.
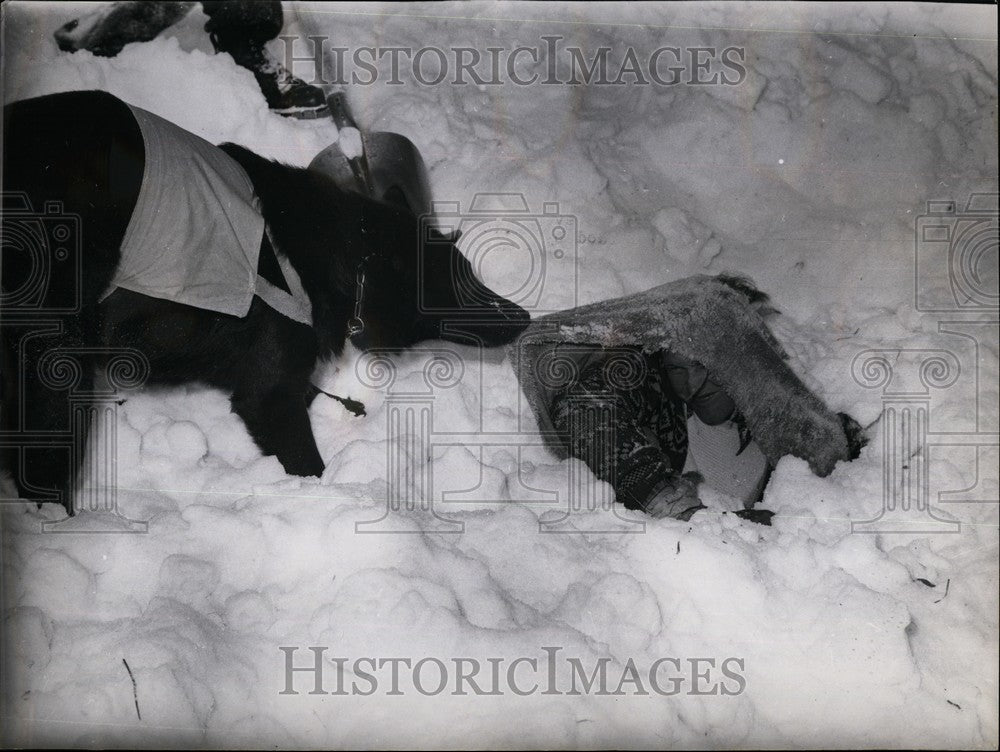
(809, 179)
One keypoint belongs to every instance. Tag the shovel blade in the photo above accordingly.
(333, 163)
(398, 173)
(395, 171)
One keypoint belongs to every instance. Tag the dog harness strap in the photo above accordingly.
(294, 304)
(282, 302)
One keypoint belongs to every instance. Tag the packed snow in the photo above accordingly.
(809, 177)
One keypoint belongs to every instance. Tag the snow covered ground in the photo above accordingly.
(809, 177)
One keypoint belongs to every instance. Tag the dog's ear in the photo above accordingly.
(436, 236)
(453, 237)
(248, 160)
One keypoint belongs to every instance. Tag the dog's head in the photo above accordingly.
(415, 284)
(374, 271)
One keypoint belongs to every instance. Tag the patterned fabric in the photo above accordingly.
(631, 436)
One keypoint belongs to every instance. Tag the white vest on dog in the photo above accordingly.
(195, 233)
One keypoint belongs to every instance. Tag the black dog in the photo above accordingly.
(86, 151)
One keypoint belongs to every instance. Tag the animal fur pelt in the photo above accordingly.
(717, 321)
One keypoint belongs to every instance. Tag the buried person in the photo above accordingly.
(659, 391)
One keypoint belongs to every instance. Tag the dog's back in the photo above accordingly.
(84, 152)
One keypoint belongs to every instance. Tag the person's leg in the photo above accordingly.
(606, 428)
(242, 28)
(665, 412)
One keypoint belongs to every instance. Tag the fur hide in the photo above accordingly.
(717, 321)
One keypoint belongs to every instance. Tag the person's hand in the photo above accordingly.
(691, 383)
(675, 496)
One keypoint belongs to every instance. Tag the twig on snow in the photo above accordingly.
(135, 690)
(947, 585)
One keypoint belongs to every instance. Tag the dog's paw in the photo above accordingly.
(305, 467)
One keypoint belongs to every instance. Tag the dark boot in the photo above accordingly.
(285, 94)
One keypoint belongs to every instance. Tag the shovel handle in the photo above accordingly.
(339, 111)
(342, 118)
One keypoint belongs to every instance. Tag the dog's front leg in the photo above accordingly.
(278, 421)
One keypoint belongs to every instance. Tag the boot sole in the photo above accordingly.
(304, 113)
